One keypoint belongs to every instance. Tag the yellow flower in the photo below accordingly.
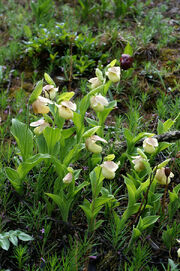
(108, 169)
(40, 126)
(50, 91)
(95, 82)
(113, 74)
(41, 105)
(98, 102)
(91, 143)
(66, 109)
(138, 163)
(150, 144)
(161, 176)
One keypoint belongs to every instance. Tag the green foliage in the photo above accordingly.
(43, 11)
(170, 235)
(13, 236)
(24, 138)
(150, 30)
(87, 8)
(52, 137)
(64, 199)
(27, 31)
(92, 209)
(16, 177)
(172, 266)
(48, 79)
(165, 127)
(36, 92)
(146, 222)
(174, 203)
(141, 256)
(83, 64)
(21, 255)
(114, 233)
(128, 50)
(121, 7)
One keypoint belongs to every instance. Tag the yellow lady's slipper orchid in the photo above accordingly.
(68, 178)
(50, 91)
(138, 163)
(150, 144)
(113, 73)
(91, 143)
(95, 82)
(40, 126)
(98, 102)
(41, 105)
(161, 176)
(108, 169)
(66, 109)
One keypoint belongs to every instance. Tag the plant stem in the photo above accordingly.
(164, 196)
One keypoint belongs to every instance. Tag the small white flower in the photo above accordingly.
(108, 169)
(40, 126)
(91, 143)
(113, 74)
(66, 109)
(161, 176)
(68, 178)
(50, 91)
(150, 144)
(41, 105)
(98, 102)
(178, 253)
(95, 82)
(138, 163)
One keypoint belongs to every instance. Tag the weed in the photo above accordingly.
(43, 11)
(121, 7)
(21, 256)
(141, 256)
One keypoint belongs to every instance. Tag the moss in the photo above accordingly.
(167, 54)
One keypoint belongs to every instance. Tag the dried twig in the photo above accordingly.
(10, 80)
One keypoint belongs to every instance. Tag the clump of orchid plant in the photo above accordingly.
(64, 145)
(63, 134)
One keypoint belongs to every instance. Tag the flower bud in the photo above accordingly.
(40, 126)
(138, 163)
(149, 144)
(66, 109)
(161, 176)
(91, 144)
(95, 82)
(113, 73)
(50, 91)
(99, 74)
(68, 178)
(98, 102)
(108, 169)
(41, 105)
(126, 61)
